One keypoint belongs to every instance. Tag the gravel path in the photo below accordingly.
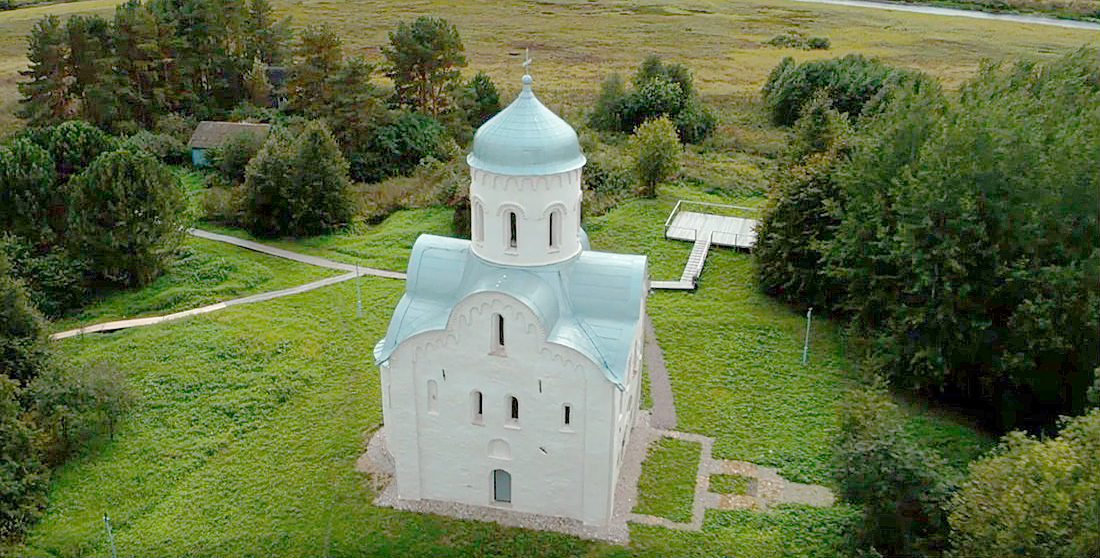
(351, 272)
(660, 390)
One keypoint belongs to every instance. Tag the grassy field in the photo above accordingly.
(250, 419)
(575, 43)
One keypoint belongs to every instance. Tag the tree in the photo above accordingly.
(89, 46)
(656, 151)
(356, 110)
(299, 186)
(73, 145)
(398, 145)
(424, 58)
(267, 178)
(46, 97)
(264, 38)
(137, 90)
(320, 178)
(316, 59)
(607, 116)
(29, 177)
(1033, 498)
(479, 100)
(23, 479)
(126, 215)
(22, 332)
(259, 89)
(902, 487)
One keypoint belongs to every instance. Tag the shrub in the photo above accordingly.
(126, 216)
(175, 125)
(479, 100)
(78, 408)
(695, 122)
(221, 200)
(1033, 498)
(850, 81)
(22, 331)
(817, 43)
(398, 146)
(654, 98)
(233, 155)
(902, 487)
(23, 479)
(788, 39)
(656, 151)
(55, 280)
(162, 146)
(29, 193)
(607, 116)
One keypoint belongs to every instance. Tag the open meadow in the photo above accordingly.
(249, 420)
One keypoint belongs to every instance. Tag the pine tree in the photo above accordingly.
(424, 58)
(46, 98)
(265, 38)
(89, 46)
(317, 59)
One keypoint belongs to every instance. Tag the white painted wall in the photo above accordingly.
(441, 454)
(533, 198)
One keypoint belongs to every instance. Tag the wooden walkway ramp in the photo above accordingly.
(705, 230)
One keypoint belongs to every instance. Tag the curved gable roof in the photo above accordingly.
(590, 303)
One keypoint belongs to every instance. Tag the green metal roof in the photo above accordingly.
(590, 303)
(526, 139)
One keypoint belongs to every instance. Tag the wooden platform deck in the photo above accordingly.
(723, 231)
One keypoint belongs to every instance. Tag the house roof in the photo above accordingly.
(526, 139)
(590, 303)
(210, 133)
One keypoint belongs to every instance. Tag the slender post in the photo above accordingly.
(358, 295)
(806, 345)
(110, 536)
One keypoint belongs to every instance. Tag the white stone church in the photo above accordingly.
(510, 369)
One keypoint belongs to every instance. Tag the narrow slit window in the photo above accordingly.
(498, 334)
(477, 404)
(513, 229)
(567, 415)
(433, 396)
(514, 404)
(555, 229)
(479, 222)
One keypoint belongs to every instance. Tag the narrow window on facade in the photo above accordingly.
(555, 229)
(513, 230)
(479, 222)
(496, 345)
(477, 405)
(514, 404)
(433, 396)
(567, 415)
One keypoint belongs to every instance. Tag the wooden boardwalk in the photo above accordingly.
(721, 230)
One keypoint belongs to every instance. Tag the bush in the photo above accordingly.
(656, 151)
(79, 408)
(232, 156)
(175, 125)
(479, 100)
(654, 98)
(55, 280)
(902, 487)
(797, 39)
(126, 216)
(23, 479)
(851, 82)
(398, 146)
(695, 122)
(162, 146)
(22, 331)
(817, 43)
(607, 116)
(1033, 498)
(267, 178)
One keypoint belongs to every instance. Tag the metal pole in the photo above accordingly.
(110, 536)
(806, 345)
(358, 295)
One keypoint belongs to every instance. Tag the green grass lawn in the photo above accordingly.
(205, 272)
(250, 419)
(667, 485)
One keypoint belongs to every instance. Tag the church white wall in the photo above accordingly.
(440, 452)
(533, 199)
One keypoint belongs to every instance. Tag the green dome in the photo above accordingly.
(526, 139)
